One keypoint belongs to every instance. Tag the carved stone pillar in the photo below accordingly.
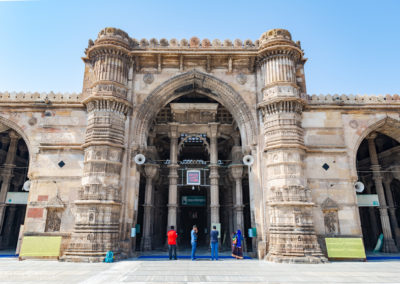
(237, 173)
(388, 242)
(98, 208)
(8, 226)
(7, 174)
(392, 209)
(173, 175)
(214, 176)
(151, 172)
(291, 232)
(372, 215)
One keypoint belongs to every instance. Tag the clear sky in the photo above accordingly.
(352, 46)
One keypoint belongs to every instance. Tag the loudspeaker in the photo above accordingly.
(27, 185)
(359, 186)
(248, 160)
(140, 159)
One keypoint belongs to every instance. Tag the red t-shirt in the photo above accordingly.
(172, 235)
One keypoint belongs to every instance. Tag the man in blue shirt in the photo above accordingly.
(214, 243)
(193, 241)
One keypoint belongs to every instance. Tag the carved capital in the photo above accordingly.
(13, 135)
(173, 130)
(151, 170)
(371, 136)
(236, 171)
(213, 126)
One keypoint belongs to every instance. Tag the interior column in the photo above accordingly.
(8, 174)
(151, 172)
(173, 175)
(237, 173)
(388, 242)
(214, 176)
(392, 209)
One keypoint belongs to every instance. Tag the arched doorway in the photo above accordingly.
(196, 145)
(14, 163)
(378, 168)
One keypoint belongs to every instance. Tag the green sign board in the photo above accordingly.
(345, 248)
(193, 200)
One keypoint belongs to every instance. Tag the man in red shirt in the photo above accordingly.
(172, 235)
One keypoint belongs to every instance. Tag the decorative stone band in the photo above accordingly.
(40, 98)
(353, 99)
(290, 51)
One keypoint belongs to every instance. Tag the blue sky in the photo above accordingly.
(352, 46)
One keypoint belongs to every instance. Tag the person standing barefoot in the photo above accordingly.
(193, 241)
(172, 235)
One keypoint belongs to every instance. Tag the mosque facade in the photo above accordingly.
(193, 132)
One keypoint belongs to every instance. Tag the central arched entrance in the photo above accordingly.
(193, 174)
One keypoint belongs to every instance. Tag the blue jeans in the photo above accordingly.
(172, 251)
(194, 244)
(214, 251)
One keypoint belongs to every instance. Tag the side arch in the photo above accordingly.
(205, 84)
(14, 126)
(388, 126)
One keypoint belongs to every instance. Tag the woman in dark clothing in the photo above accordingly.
(237, 249)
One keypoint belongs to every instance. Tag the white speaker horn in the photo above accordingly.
(359, 187)
(27, 185)
(140, 159)
(248, 160)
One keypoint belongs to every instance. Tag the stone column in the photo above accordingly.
(151, 172)
(173, 175)
(7, 174)
(388, 242)
(214, 176)
(237, 173)
(372, 215)
(291, 230)
(392, 209)
(99, 205)
(8, 226)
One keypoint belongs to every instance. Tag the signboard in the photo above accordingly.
(38, 246)
(137, 229)
(17, 198)
(193, 177)
(218, 226)
(133, 232)
(345, 248)
(252, 232)
(194, 200)
(367, 200)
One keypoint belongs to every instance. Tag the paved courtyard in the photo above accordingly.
(201, 271)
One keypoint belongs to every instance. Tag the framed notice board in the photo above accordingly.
(345, 248)
(41, 246)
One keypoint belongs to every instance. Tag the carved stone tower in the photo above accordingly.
(106, 98)
(291, 230)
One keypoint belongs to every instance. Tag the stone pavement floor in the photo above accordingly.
(201, 271)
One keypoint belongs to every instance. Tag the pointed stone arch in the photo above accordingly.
(205, 84)
(388, 126)
(14, 126)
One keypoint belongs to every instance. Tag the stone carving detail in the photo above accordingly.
(148, 78)
(241, 78)
(353, 124)
(53, 220)
(331, 220)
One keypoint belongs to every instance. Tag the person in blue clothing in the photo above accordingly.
(214, 243)
(193, 241)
